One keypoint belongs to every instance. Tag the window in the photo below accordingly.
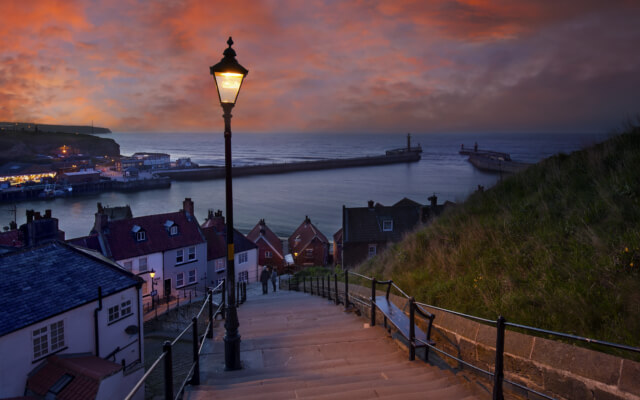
(120, 311)
(125, 308)
(128, 265)
(179, 256)
(268, 254)
(141, 236)
(180, 280)
(174, 230)
(114, 313)
(142, 264)
(192, 276)
(242, 258)
(243, 276)
(220, 265)
(387, 225)
(145, 287)
(192, 253)
(372, 250)
(308, 253)
(48, 339)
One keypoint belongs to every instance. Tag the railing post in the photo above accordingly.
(244, 291)
(289, 282)
(238, 297)
(304, 284)
(322, 294)
(318, 285)
(224, 299)
(346, 290)
(195, 379)
(498, 373)
(311, 283)
(168, 371)
(426, 349)
(329, 287)
(211, 316)
(335, 280)
(412, 329)
(373, 302)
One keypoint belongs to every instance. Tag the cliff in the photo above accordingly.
(31, 127)
(28, 145)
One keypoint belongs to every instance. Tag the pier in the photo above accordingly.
(203, 173)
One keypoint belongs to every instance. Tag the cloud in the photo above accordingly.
(323, 66)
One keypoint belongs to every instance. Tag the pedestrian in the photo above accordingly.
(264, 278)
(274, 276)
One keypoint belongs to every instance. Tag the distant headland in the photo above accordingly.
(33, 127)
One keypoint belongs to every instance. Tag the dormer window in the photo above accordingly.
(171, 227)
(387, 225)
(141, 235)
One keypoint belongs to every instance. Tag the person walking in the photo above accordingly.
(274, 277)
(264, 278)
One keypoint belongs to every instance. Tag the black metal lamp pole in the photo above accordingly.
(228, 76)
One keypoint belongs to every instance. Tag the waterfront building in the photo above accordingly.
(269, 245)
(153, 161)
(15, 173)
(308, 245)
(171, 246)
(68, 312)
(245, 257)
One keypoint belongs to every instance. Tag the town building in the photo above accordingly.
(14, 173)
(38, 229)
(308, 245)
(366, 231)
(68, 311)
(169, 246)
(269, 245)
(245, 257)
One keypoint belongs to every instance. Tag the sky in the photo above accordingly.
(324, 66)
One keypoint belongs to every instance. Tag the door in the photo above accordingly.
(167, 288)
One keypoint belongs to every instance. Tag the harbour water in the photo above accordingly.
(284, 200)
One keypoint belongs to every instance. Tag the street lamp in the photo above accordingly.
(152, 274)
(228, 76)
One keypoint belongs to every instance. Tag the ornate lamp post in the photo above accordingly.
(228, 76)
(152, 274)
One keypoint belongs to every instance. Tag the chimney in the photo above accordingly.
(38, 229)
(262, 230)
(307, 221)
(218, 213)
(101, 222)
(434, 201)
(100, 209)
(210, 214)
(47, 213)
(187, 206)
(370, 204)
(30, 216)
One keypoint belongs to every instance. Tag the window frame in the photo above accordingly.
(146, 264)
(179, 256)
(243, 276)
(49, 338)
(243, 257)
(220, 262)
(387, 225)
(268, 254)
(180, 278)
(191, 253)
(141, 236)
(375, 250)
(192, 279)
(173, 231)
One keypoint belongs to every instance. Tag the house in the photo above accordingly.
(171, 246)
(38, 229)
(269, 246)
(16, 173)
(368, 230)
(337, 247)
(62, 304)
(308, 245)
(246, 252)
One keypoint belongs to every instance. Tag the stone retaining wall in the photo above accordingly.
(554, 368)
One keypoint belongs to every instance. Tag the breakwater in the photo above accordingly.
(204, 173)
(34, 192)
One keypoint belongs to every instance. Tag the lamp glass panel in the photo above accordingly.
(228, 85)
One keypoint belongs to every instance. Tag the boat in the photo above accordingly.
(51, 191)
(493, 161)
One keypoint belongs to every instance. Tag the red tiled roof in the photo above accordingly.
(11, 238)
(90, 242)
(268, 236)
(122, 240)
(307, 232)
(87, 372)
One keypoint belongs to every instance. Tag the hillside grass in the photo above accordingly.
(556, 246)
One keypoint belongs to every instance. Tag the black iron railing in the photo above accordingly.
(417, 308)
(193, 376)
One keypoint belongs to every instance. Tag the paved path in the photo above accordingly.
(297, 346)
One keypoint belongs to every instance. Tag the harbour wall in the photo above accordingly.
(204, 173)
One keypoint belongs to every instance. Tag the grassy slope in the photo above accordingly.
(555, 247)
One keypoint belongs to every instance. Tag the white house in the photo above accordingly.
(66, 311)
(245, 257)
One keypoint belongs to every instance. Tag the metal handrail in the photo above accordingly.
(401, 291)
(488, 321)
(144, 377)
(361, 276)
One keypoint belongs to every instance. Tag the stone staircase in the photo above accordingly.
(298, 346)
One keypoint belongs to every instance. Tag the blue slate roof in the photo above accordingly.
(43, 281)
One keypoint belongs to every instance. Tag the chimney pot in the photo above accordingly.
(370, 204)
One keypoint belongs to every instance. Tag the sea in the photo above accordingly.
(284, 200)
